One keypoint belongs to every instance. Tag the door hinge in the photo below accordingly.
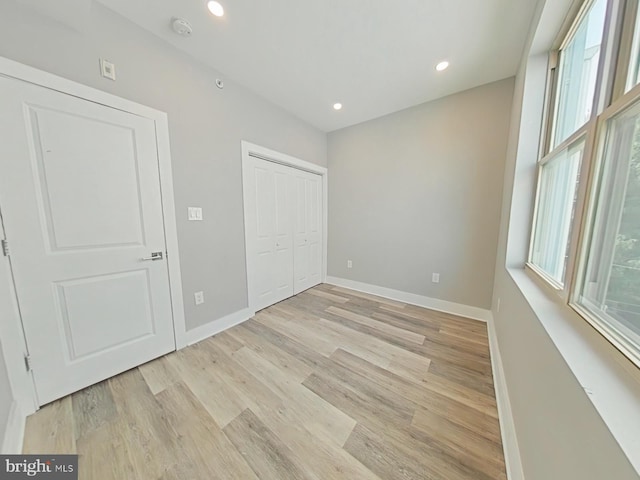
(28, 363)
(5, 247)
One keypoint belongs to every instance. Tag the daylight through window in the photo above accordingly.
(586, 246)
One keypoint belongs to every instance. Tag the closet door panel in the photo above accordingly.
(308, 231)
(283, 265)
(270, 228)
(264, 225)
(314, 216)
(301, 249)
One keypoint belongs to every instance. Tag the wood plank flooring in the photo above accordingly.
(330, 384)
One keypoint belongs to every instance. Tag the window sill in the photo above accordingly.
(610, 380)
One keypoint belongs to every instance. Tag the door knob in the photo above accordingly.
(154, 256)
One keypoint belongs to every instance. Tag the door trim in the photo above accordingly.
(15, 343)
(256, 151)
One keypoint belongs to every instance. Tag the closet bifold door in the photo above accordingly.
(284, 231)
(269, 227)
(307, 255)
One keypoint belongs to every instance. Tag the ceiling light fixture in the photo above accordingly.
(442, 66)
(337, 106)
(215, 8)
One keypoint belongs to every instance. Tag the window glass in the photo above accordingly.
(579, 61)
(556, 199)
(611, 285)
(634, 60)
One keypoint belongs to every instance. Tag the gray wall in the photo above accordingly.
(419, 191)
(206, 127)
(559, 432)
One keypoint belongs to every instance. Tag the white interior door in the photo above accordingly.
(269, 232)
(307, 230)
(81, 206)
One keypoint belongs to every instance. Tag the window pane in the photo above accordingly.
(578, 71)
(556, 198)
(634, 60)
(611, 284)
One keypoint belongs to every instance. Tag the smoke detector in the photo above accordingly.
(181, 27)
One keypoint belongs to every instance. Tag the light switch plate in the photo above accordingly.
(195, 213)
(435, 277)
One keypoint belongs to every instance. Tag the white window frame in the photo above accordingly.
(602, 92)
(587, 131)
(609, 100)
(549, 282)
(600, 324)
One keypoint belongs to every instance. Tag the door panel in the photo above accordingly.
(264, 204)
(315, 229)
(122, 301)
(283, 248)
(107, 181)
(301, 257)
(82, 208)
(308, 236)
(264, 220)
(269, 226)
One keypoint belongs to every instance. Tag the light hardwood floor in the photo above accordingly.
(330, 384)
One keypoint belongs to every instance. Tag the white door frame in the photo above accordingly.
(256, 151)
(14, 343)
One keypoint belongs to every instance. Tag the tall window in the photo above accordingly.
(587, 247)
(633, 72)
(610, 286)
(579, 60)
(557, 189)
(559, 170)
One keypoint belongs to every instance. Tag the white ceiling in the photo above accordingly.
(373, 56)
(74, 14)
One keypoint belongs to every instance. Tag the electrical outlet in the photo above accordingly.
(349, 264)
(498, 305)
(435, 277)
(199, 298)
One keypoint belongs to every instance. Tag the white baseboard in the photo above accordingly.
(513, 462)
(217, 326)
(14, 432)
(413, 299)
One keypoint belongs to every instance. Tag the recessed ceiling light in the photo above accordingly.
(337, 106)
(215, 8)
(442, 66)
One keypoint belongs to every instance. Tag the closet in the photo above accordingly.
(283, 230)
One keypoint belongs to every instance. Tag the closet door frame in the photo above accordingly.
(250, 150)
